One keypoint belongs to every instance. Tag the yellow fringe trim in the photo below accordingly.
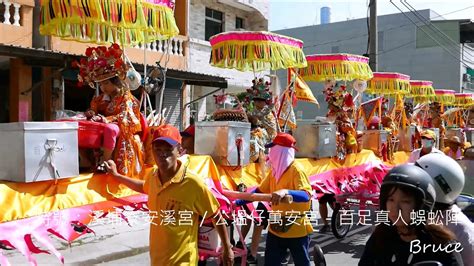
(388, 86)
(422, 99)
(256, 55)
(320, 71)
(100, 22)
(444, 99)
(424, 91)
(463, 101)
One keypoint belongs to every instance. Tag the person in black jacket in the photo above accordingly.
(407, 238)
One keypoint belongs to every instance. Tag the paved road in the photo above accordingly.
(120, 244)
(345, 251)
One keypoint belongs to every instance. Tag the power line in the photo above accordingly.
(444, 48)
(388, 29)
(428, 23)
(395, 48)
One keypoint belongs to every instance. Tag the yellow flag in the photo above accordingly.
(302, 90)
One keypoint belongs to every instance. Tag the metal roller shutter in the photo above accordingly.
(172, 101)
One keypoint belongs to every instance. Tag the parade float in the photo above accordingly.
(382, 137)
(419, 97)
(352, 183)
(330, 69)
(61, 203)
(435, 120)
(253, 52)
(456, 116)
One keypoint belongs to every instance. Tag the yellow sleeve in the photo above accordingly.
(146, 185)
(301, 181)
(206, 204)
(145, 175)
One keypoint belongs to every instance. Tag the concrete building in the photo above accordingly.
(402, 47)
(210, 17)
(37, 79)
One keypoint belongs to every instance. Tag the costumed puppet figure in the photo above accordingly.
(392, 129)
(340, 104)
(116, 108)
(259, 106)
(409, 113)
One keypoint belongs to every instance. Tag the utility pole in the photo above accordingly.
(373, 46)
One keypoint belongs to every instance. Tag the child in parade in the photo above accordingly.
(404, 238)
(448, 178)
(173, 189)
(116, 107)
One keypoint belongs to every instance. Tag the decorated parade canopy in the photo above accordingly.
(256, 51)
(127, 22)
(422, 91)
(444, 97)
(345, 67)
(386, 83)
(421, 88)
(463, 100)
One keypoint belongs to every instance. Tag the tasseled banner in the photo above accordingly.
(336, 70)
(256, 55)
(127, 22)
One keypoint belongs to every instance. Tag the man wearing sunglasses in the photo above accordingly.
(428, 139)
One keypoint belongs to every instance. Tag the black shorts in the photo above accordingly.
(327, 198)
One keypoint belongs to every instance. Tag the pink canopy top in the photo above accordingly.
(440, 92)
(254, 36)
(391, 75)
(421, 83)
(337, 57)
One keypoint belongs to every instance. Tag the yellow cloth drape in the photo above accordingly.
(22, 200)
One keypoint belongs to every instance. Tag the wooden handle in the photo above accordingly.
(254, 196)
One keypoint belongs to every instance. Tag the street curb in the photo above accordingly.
(113, 256)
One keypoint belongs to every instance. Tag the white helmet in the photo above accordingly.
(447, 174)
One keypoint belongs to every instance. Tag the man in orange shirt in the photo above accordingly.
(173, 192)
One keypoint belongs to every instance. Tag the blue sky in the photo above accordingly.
(290, 14)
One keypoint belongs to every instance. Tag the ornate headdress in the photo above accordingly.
(102, 63)
(260, 90)
(339, 101)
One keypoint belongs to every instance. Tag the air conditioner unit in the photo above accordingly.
(466, 77)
